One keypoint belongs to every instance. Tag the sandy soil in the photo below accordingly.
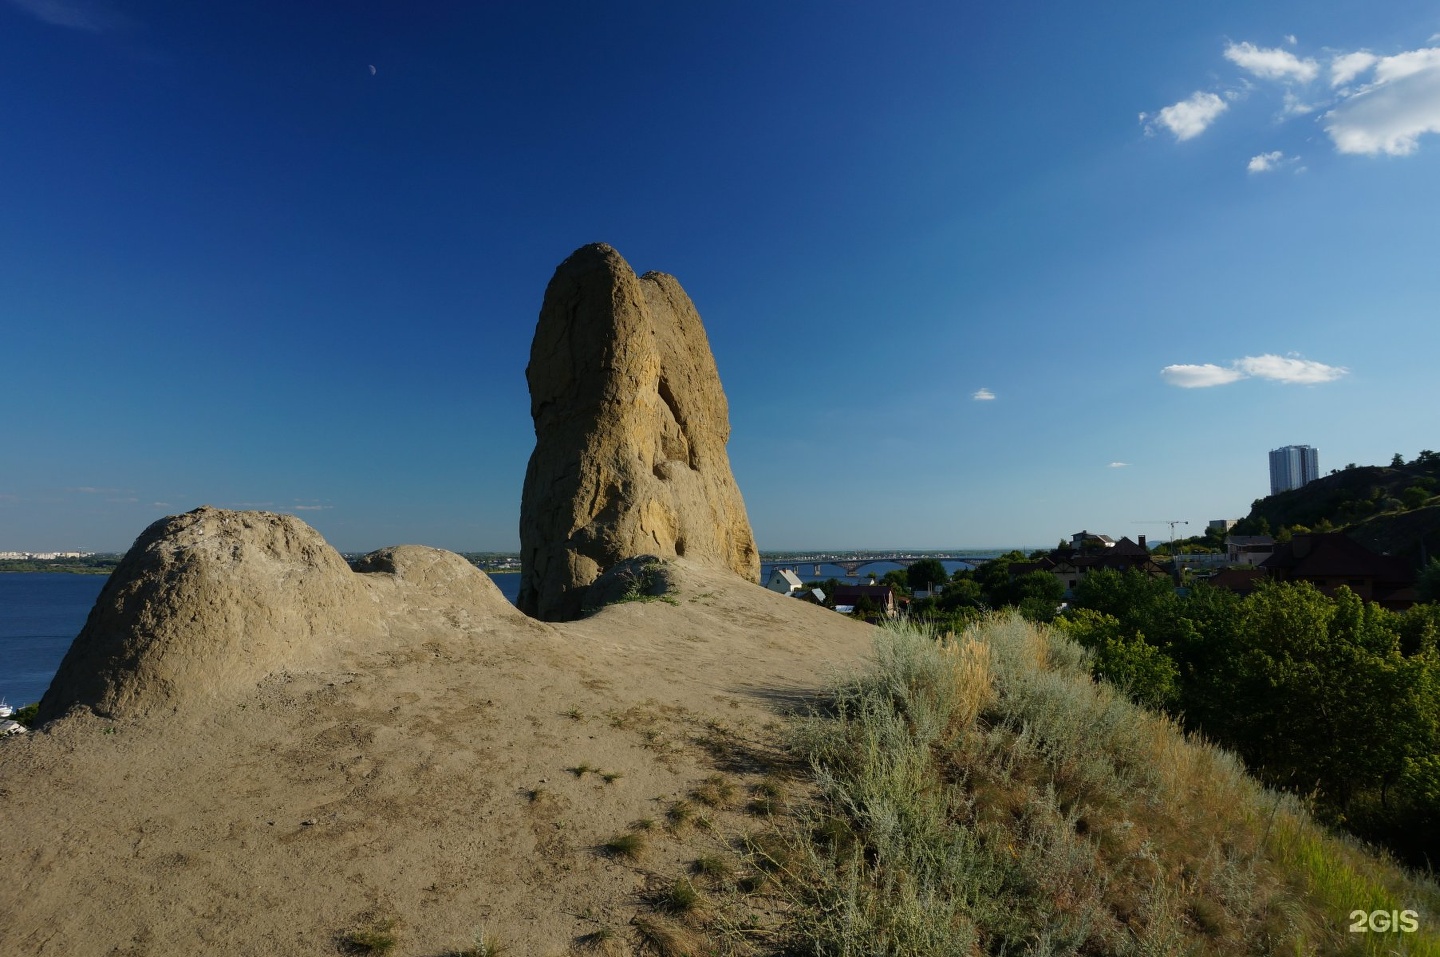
(437, 783)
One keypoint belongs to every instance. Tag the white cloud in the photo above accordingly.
(1118, 465)
(1409, 63)
(1389, 115)
(983, 395)
(1199, 377)
(1290, 39)
(1347, 66)
(310, 508)
(1288, 369)
(74, 14)
(1272, 63)
(1369, 104)
(1294, 106)
(1189, 118)
(1265, 162)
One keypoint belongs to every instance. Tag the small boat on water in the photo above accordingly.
(5, 710)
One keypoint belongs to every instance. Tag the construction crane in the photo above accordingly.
(1172, 523)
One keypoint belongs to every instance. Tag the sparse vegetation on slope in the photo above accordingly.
(985, 795)
(1392, 509)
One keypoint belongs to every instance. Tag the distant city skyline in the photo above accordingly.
(972, 275)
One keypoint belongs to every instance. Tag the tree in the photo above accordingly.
(1042, 588)
(962, 593)
(1427, 586)
(1141, 602)
(1415, 496)
(1397, 460)
(1127, 661)
(994, 577)
(926, 573)
(1207, 645)
(865, 608)
(898, 580)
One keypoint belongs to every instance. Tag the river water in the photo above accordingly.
(40, 614)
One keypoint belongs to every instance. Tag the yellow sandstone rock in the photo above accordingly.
(631, 424)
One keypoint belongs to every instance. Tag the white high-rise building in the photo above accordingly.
(1292, 467)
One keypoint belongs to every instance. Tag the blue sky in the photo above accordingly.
(972, 277)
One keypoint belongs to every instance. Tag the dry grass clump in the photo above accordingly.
(680, 899)
(680, 815)
(716, 791)
(768, 796)
(985, 795)
(377, 937)
(630, 845)
(713, 866)
(667, 938)
(482, 947)
(605, 942)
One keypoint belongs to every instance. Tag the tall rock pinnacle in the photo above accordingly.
(630, 432)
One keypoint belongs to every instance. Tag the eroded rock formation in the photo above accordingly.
(207, 604)
(630, 430)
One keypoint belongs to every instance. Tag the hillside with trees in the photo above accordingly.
(1326, 696)
(1394, 509)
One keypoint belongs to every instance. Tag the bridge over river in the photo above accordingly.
(853, 563)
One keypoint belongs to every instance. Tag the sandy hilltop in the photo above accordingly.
(431, 776)
(252, 748)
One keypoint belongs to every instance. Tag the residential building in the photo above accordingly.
(1248, 549)
(1223, 524)
(1070, 565)
(1194, 560)
(1086, 541)
(881, 596)
(1332, 559)
(784, 581)
(811, 596)
(1242, 581)
(1292, 467)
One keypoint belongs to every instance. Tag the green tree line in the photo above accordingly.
(1328, 696)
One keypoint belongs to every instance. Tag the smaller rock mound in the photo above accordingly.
(433, 574)
(206, 604)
